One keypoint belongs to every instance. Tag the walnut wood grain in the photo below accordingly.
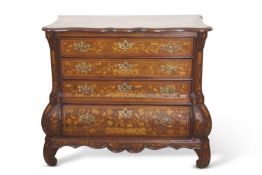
(149, 121)
(116, 144)
(126, 33)
(126, 91)
(124, 47)
(123, 68)
(90, 66)
(49, 153)
(203, 154)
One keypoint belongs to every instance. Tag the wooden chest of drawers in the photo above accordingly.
(134, 86)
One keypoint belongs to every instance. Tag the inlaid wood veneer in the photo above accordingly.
(127, 83)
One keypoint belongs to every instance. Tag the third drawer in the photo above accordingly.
(119, 91)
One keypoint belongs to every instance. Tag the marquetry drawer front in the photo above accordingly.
(107, 68)
(119, 47)
(126, 91)
(148, 121)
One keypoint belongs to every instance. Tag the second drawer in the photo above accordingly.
(126, 91)
(131, 68)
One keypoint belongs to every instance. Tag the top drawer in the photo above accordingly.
(126, 47)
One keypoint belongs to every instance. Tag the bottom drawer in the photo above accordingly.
(126, 120)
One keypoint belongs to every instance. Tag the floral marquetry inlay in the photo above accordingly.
(127, 83)
(129, 46)
(130, 121)
(126, 89)
(118, 67)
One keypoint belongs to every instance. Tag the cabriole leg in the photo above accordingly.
(49, 154)
(203, 154)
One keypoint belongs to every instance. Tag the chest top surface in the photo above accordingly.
(175, 22)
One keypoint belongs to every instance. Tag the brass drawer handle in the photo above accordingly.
(87, 118)
(85, 89)
(125, 66)
(163, 120)
(171, 48)
(81, 46)
(83, 67)
(169, 68)
(125, 45)
(125, 113)
(124, 87)
(167, 90)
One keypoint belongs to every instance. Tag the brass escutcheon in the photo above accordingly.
(81, 46)
(162, 120)
(171, 48)
(87, 118)
(125, 45)
(124, 87)
(83, 67)
(125, 113)
(169, 68)
(85, 89)
(167, 90)
(125, 66)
